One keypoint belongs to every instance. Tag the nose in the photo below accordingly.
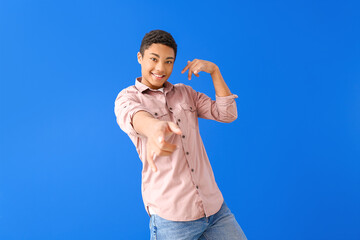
(160, 67)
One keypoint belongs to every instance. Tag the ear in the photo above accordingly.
(139, 57)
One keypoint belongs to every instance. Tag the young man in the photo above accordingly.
(178, 185)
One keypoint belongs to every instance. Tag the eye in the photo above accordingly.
(169, 62)
(153, 59)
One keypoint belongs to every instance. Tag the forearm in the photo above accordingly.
(221, 89)
(155, 131)
(141, 122)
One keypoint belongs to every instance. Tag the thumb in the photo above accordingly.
(150, 159)
(174, 128)
(161, 139)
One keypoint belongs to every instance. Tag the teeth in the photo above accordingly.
(159, 76)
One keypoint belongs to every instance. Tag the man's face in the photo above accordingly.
(156, 65)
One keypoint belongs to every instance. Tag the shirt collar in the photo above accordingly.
(142, 87)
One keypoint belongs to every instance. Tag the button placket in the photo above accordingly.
(187, 154)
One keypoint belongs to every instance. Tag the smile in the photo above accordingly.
(158, 76)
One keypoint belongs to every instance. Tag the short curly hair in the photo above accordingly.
(157, 36)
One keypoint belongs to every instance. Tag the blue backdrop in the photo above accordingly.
(288, 167)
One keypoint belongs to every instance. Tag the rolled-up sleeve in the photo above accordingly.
(227, 106)
(126, 105)
(223, 109)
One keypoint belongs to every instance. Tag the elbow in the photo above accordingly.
(232, 114)
(226, 114)
(230, 120)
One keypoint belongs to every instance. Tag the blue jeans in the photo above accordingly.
(220, 226)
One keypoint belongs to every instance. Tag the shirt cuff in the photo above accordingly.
(226, 100)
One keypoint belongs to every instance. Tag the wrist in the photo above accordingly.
(215, 71)
(155, 125)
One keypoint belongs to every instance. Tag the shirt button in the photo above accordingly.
(179, 120)
(170, 108)
(197, 187)
(187, 153)
(192, 170)
(183, 136)
(156, 114)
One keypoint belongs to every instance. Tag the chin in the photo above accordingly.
(158, 83)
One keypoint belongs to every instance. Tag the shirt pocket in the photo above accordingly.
(161, 114)
(189, 114)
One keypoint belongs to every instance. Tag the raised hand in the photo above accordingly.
(196, 66)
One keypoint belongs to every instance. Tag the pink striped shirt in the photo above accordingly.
(184, 187)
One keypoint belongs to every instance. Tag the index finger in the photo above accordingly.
(185, 68)
(150, 159)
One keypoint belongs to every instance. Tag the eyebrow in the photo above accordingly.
(157, 55)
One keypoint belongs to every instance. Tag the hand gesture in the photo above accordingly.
(156, 144)
(196, 66)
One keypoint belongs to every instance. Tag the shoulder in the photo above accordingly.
(186, 93)
(184, 88)
(129, 93)
(129, 90)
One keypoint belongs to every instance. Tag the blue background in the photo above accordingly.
(288, 167)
